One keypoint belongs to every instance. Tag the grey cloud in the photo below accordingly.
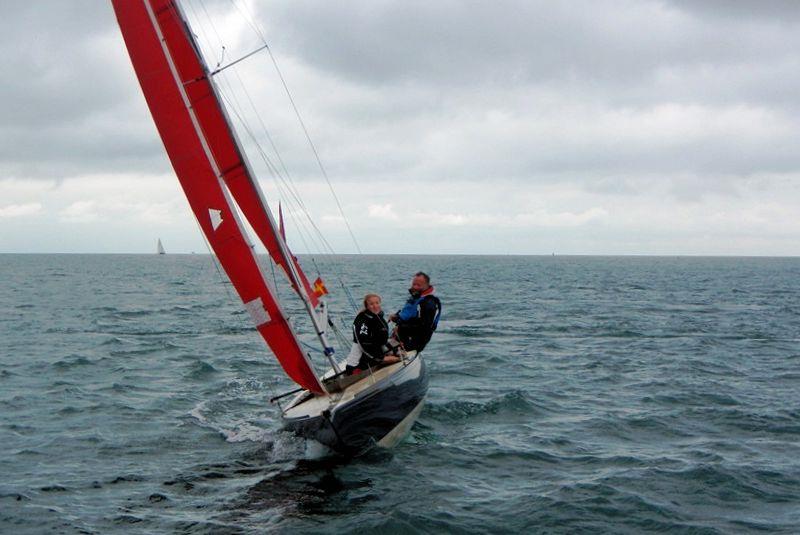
(394, 90)
(777, 11)
(512, 42)
(598, 57)
(72, 106)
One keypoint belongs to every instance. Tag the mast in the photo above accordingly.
(165, 60)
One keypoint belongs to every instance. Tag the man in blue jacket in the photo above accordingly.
(419, 317)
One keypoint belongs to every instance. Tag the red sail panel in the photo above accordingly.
(249, 201)
(144, 23)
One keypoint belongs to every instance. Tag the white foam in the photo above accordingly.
(316, 450)
(197, 413)
(238, 431)
(245, 432)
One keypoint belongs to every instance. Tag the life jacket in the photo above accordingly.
(411, 310)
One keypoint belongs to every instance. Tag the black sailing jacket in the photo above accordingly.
(371, 332)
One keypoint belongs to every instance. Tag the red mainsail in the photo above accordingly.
(205, 155)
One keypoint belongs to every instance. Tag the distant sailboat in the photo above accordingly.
(347, 413)
(160, 247)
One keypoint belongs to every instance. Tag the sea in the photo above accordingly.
(568, 394)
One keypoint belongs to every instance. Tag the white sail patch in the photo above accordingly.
(257, 311)
(216, 217)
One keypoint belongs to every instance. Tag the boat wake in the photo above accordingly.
(206, 414)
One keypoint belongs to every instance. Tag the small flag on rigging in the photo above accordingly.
(319, 287)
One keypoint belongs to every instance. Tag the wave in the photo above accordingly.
(127, 478)
(134, 352)
(127, 314)
(200, 370)
(688, 399)
(230, 329)
(516, 402)
(786, 422)
(725, 484)
(27, 452)
(17, 496)
(467, 331)
(20, 429)
(54, 488)
(127, 519)
(113, 341)
(122, 387)
(71, 362)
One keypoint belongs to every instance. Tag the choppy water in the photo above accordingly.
(567, 394)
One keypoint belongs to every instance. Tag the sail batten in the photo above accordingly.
(200, 144)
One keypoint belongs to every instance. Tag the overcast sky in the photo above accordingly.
(574, 127)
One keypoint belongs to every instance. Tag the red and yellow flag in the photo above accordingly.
(319, 287)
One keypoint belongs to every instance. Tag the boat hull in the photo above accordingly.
(381, 414)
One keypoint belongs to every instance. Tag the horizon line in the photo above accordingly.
(641, 255)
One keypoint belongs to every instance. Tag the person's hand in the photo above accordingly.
(391, 359)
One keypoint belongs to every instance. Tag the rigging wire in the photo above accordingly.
(298, 225)
(314, 234)
(288, 185)
(288, 182)
(296, 196)
(254, 24)
(314, 150)
(203, 30)
(236, 106)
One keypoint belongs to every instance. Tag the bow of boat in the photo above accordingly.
(375, 408)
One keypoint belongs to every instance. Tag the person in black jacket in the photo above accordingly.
(419, 317)
(370, 337)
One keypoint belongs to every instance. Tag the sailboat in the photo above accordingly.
(349, 414)
(160, 247)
